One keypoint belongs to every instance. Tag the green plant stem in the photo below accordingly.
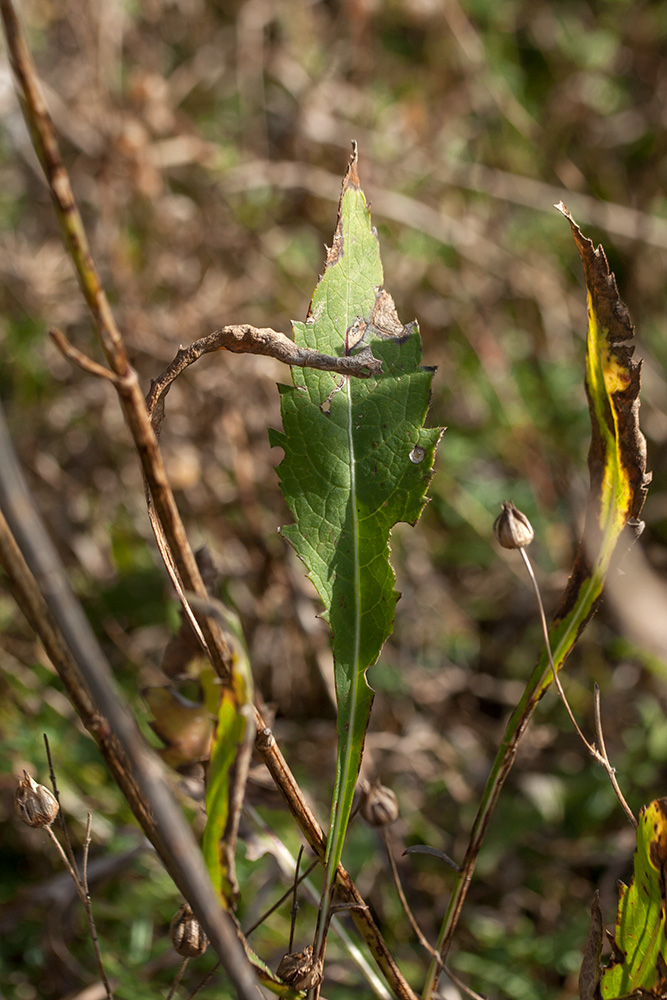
(563, 635)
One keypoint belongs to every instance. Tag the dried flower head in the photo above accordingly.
(512, 528)
(186, 933)
(300, 970)
(379, 805)
(35, 804)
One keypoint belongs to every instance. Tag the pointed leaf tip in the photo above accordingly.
(611, 311)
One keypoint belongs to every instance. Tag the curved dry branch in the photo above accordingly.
(244, 339)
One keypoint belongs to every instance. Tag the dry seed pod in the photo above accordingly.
(35, 804)
(379, 805)
(186, 933)
(512, 528)
(300, 970)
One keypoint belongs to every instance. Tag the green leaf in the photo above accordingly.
(228, 767)
(357, 460)
(640, 942)
(617, 455)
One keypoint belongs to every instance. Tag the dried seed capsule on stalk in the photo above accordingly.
(300, 970)
(512, 528)
(35, 804)
(186, 933)
(379, 805)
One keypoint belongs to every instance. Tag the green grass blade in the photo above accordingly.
(228, 766)
(357, 460)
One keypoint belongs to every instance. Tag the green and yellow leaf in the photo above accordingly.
(640, 940)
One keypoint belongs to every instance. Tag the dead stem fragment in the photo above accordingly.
(244, 339)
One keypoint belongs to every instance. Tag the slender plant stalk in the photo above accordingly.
(600, 755)
(82, 889)
(177, 978)
(419, 934)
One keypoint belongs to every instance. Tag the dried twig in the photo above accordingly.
(288, 892)
(244, 339)
(77, 357)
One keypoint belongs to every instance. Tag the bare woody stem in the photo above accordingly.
(244, 339)
(126, 381)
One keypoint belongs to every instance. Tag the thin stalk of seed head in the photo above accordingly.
(601, 754)
(545, 632)
(204, 982)
(404, 902)
(56, 792)
(311, 868)
(88, 906)
(177, 978)
(81, 887)
(295, 900)
(611, 771)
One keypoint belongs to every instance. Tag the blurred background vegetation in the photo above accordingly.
(206, 143)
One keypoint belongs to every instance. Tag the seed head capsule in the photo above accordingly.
(36, 804)
(512, 528)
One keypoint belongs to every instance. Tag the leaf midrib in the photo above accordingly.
(335, 834)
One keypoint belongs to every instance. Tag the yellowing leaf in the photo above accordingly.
(617, 455)
(186, 727)
(640, 942)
